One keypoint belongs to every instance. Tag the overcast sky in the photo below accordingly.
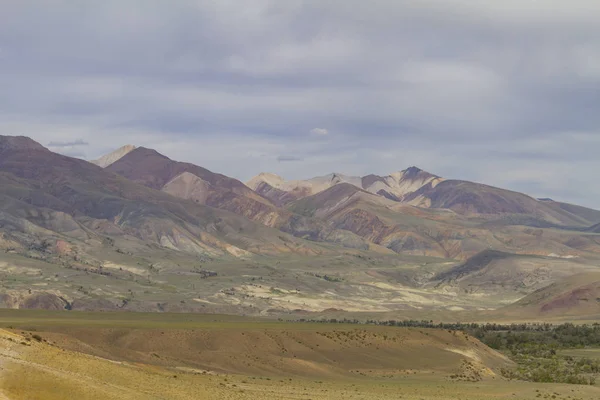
(501, 92)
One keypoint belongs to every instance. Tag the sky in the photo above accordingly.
(501, 92)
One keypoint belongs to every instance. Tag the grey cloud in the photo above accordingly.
(78, 142)
(499, 92)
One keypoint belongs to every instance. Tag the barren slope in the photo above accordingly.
(574, 296)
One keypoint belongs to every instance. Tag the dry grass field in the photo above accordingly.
(126, 356)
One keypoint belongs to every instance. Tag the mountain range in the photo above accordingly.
(138, 230)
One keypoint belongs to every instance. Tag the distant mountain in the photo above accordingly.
(44, 195)
(116, 155)
(419, 188)
(195, 183)
(394, 186)
(411, 211)
(151, 233)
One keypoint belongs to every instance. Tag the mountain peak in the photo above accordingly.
(414, 172)
(269, 178)
(11, 143)
(114, 156)
(146, 152)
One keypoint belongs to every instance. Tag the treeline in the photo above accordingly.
(503, 336)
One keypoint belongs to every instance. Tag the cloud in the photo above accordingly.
(319, 131)
(498, 92)
(78, 142)
(289, 158)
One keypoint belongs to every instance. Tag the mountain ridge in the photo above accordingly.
(150, 233)
(422, 189)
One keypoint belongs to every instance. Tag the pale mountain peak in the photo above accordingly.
(114, 156)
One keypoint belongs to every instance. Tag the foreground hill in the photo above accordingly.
(118, 356)
(183, 357)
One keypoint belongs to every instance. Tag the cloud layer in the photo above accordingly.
(505, 93)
